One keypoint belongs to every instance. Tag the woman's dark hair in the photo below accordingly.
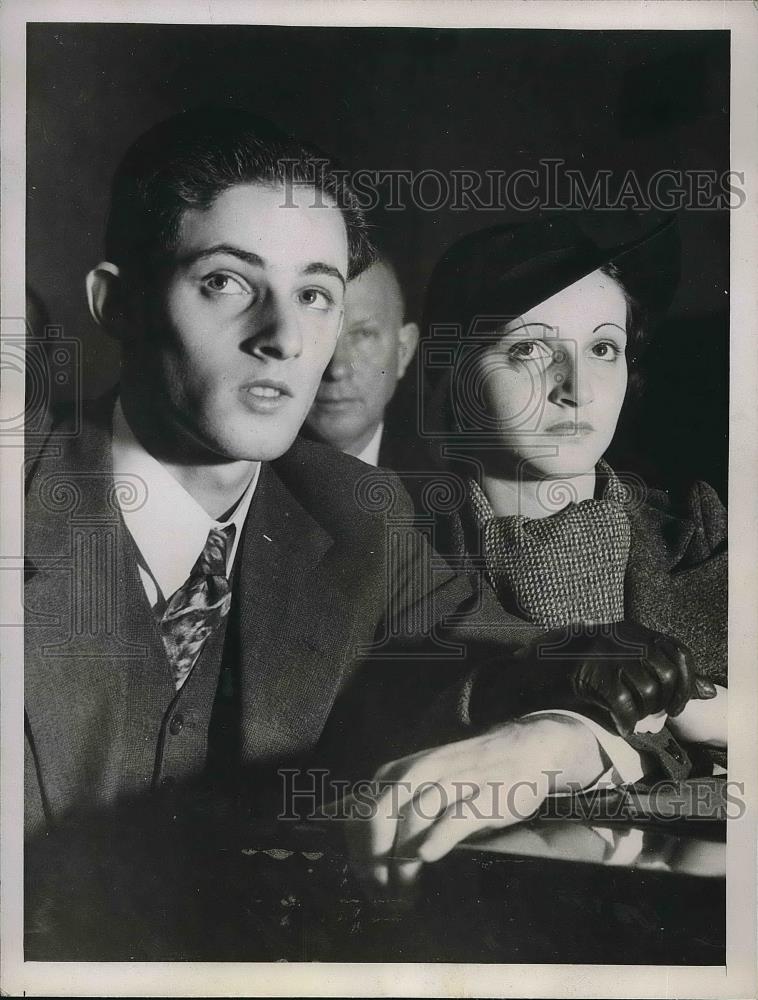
(188, 160)
(637, 331)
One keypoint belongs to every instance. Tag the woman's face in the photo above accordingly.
(553, 383)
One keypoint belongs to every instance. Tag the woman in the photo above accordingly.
(537, 332)
(545, 329)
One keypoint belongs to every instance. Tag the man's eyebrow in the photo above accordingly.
(223, 248)
(318, 268)
(255, 260)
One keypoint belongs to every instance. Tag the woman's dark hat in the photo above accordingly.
(499, 273)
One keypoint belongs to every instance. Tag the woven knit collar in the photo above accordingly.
(568, 568)
(613, 490)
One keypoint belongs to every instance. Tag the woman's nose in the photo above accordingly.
(571, 378)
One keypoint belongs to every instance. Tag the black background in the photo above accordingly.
(418, 99)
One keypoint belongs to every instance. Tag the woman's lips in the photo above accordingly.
(570, 428)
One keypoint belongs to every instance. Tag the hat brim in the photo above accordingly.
(648, 266)
(484, 281)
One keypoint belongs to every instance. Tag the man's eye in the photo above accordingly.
(226, 284)
(316, 298)
(530, 350)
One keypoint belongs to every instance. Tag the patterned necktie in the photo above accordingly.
(565, 569)
(198, 606)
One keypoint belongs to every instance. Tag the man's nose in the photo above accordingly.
(341, 363)
(571, 377)
(277, 334)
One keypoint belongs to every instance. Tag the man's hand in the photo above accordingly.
(626, 670)
(432, 800)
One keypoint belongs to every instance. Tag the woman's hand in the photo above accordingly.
(625, 669)
(703, 722)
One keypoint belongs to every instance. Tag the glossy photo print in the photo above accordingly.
(370, 406)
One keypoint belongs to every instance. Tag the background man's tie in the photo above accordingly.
(198, 606)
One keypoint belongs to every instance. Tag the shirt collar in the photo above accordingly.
(370, 453)
(170, 528)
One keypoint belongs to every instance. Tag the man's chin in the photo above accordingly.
(268, 450)
(257, 447)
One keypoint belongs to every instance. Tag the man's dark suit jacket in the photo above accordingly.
(328, 563)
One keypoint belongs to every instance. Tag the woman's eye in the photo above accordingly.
(606, 350)
(226, 284)
(316, 298)
(530, 350)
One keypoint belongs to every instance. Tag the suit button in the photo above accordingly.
(176, 725)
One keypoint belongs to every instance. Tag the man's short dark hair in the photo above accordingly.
(189, 159)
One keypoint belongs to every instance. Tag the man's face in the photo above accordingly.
(245, 319)
(371, 355)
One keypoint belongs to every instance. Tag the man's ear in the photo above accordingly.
(407, 342)
(105, 297)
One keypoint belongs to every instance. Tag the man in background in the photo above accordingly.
(372, 355)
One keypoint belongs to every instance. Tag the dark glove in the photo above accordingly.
(624, 670)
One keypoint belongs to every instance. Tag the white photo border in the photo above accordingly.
(738, 977)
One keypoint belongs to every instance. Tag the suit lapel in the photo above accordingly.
(295, 625)
(79, 555)
(92, 646)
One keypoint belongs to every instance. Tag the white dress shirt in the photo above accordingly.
(626, 763)
(701, 721)
(170, 528)
(370, 453)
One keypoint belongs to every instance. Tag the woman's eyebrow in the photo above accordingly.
(526, 326)
(609, 323)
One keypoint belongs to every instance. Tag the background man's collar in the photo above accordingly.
(370, 453)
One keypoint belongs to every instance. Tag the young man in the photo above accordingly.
(227, 259)
(202, 588)
(372, 355)
(192, 609)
